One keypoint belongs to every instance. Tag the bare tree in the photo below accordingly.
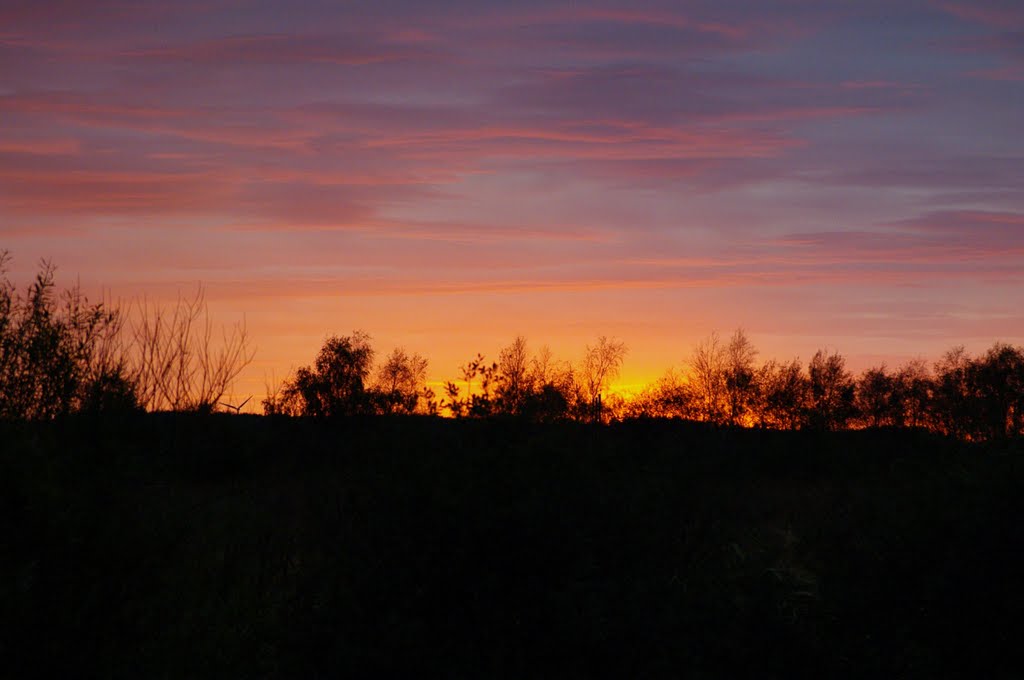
(401, 381)
(740, 386)
(601, 364)
(175, 360)
(514, 376)
(542, 366)
(546, 370)
(708, 368)
(550, 387)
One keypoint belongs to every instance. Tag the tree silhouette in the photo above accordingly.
(515, 381)
(456, 406)
(469, 372)
(740, 375)
(952, 405)
(480, 403)
(336, 383)
(996, 383)
(601, 364)
(782, 395)
(708, 373)
(877, 398)
(914, 392)
(175, 361)
(550, 386)
(59, 354)
(401, 382)
(832, 392)
(670, 397)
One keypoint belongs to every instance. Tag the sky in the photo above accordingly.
(446, 175)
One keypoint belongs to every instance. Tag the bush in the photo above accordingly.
(59, 354)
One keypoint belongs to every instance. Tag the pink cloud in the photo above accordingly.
(109, 193)
(53, 146)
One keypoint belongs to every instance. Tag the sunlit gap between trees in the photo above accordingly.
(61, 355)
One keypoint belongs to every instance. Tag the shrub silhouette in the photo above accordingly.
(58, 354)
(174, 361)
(61, 354)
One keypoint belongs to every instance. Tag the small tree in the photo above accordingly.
(552, 388)
(996, 383)
(952, 404)
(832, 391)
(708, 375)
(782, 395)
(739, 370)
(401, 382)
(514, 377)
(915, 389)
(482, 402)
(601, 364)
(175, 360)
(335, 384)
(877, 399)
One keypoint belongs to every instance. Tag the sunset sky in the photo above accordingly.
(448, 174)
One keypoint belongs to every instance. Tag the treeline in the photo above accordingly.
(342, 381)
(61, 354)
(970, 397)
(963, 396)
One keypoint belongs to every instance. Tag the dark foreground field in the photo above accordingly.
(172, 546)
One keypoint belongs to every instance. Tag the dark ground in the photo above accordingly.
(173, 546)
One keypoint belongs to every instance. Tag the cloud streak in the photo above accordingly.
(701, 163)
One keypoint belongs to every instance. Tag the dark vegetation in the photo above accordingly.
(746, 521)
(60, 355)
(175, 545)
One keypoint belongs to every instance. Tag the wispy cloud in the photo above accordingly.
(710, 161)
